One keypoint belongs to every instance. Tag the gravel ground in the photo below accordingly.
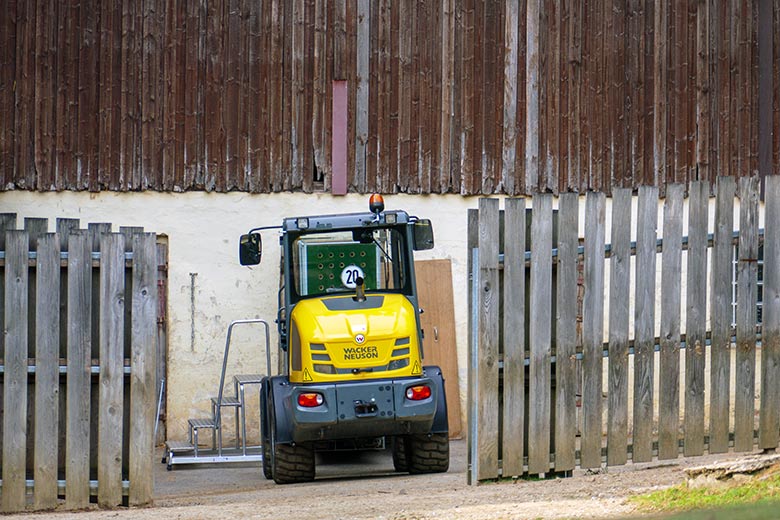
(364, 486)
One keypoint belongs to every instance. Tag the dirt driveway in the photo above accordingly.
(366, 487)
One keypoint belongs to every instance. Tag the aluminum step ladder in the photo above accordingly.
(189, 451)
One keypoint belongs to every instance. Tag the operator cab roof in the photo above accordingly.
(344, 221)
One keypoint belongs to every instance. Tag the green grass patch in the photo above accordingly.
(757, 490)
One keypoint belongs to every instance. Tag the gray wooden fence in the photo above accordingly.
(694, 369)
(79, 382)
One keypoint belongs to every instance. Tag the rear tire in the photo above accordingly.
(399, 454)
(290, 463)
(293, 463)
(428, 453)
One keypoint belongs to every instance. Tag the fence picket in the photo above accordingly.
(769, 420)
(696, 316)
(47, 378)
(669, 360)
(143, 362)
(15, 371)
(592, 331)
(619, 291)
(111, 326)
(644, 321)
(720, 315)
(487, 362)
(514, 338)
(78, 381)
(540, 317)
(747, 276)
(566, 333)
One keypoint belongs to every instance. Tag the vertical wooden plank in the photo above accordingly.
(24, 95)
(8, 30)
(339, 144)
(35, 227)
(540, 318)
(361, 115)
(703, 91)
(532, 64)
(747, 291)
(769, 421)
(514, 338)
(619, 295)
(695, 318)
(15, 374)
(192, 95)
(89, 50)
(671, 297)
(468, 88)
(660, 109)
(45, 93)
(232, 61)
(510, 94)
(574, 87)
(644, 321)
(592, 330)
(214, 127)
(448, 99)
(47, 377)
(487, 465)
(78, 389)
(720, 317)
(7, 223)
(112, 313)
(64, 227)
(472, 243)
(566, 333)
(143, 366)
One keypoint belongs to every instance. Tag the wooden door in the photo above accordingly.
(434, 285)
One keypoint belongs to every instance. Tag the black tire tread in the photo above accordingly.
(293, 463)
(428, 453)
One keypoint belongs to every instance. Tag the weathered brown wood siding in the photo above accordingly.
(223, 95)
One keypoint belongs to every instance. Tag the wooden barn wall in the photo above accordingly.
(461, 96)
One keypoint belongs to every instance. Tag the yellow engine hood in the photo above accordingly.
(337, 338)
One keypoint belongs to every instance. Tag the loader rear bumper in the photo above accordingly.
(358, 409)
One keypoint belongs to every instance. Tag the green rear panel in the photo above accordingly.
(326, 261)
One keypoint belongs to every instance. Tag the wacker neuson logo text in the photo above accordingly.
(352, 353)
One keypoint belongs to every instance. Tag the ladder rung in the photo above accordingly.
(201, 423)
(227, 401)
(248, 379)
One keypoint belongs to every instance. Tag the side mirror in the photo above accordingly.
(250, 249)
(423, 235)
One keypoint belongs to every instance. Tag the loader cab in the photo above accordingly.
(345, 274)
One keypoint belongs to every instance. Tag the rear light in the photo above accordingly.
(418, 393)
(310, 400)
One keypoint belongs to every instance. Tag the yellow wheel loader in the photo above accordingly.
(349, 334)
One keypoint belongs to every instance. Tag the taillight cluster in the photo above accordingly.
(418, 393)
(310, 399)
